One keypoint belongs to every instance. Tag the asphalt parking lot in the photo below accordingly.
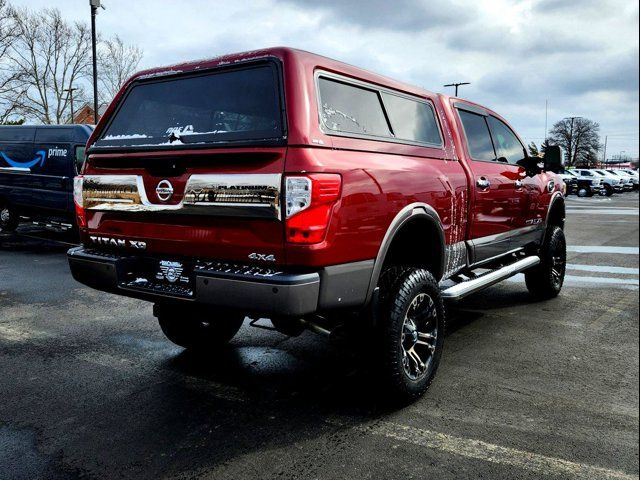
(89, 387)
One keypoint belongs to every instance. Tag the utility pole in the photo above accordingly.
(70, 90)
(95, 4)
(604, 156)
(456, 85)
(546, 119)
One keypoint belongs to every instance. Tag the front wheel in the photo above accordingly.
(410, 331)
(545, 280)
(197, 327)
(608, 190)
(9, 218)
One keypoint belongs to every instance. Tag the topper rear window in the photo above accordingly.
(240, 105)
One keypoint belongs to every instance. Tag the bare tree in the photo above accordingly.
(48, 57)
(579, 137)
(8, 34)
(7, 29)
(116, 63)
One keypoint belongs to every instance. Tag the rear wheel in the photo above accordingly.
(410, 331)
(584, 192)
(545, 281)
(9, 218)
(197, 327)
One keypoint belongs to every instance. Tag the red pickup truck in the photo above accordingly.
(284, 185)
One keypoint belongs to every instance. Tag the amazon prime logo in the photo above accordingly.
(41, 157)
(164, 190)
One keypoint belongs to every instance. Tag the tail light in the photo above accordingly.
(79, 201)
(309, 202)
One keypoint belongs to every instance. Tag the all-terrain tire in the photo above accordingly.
(197, 327)
(546, 279)
(410, 309)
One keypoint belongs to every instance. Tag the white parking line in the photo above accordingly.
(604, 269)
(603, 249)
(597, 207)
(607, 211)
(601, 280)
(578, 281)
(488, 452)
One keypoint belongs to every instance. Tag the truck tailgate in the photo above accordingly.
(217, 204)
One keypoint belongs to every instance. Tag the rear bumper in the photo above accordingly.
(247, 288)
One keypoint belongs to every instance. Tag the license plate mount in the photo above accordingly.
(173, 272)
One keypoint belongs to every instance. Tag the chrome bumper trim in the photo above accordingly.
(238, 195)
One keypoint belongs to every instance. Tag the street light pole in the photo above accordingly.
(456, 85)
(95, 4)
(70, 90)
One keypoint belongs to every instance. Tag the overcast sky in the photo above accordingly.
(581, 55)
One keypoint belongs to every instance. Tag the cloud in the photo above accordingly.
(617, 75)
(571, 6)
(582, 56)
(407, 15)
(530, 43)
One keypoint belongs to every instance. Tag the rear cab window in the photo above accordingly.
(241, 104)
(355, 109)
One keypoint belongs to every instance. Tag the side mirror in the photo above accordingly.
(531, 165)
(553, 159)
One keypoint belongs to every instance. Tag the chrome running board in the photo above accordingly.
(476, 284)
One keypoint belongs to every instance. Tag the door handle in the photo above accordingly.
(519, 183)
(483, 183)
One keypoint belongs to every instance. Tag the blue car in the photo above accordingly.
(37, 166)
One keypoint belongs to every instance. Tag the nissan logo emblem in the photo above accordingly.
(164, 190)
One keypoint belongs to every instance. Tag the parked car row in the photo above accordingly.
(599, 181)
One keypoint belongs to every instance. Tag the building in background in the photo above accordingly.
(85, 113)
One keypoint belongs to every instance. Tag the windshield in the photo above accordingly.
(227, 106)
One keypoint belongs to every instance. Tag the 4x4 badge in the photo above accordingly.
(164, 190)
